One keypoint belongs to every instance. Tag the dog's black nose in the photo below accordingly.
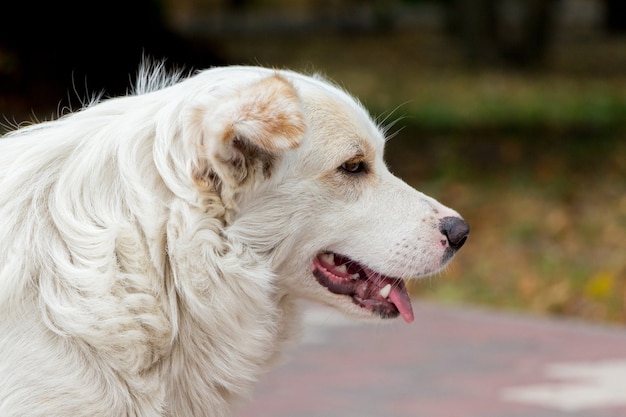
(456, 230)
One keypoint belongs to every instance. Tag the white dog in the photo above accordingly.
(153, 248)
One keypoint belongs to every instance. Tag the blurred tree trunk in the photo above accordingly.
(473, 22)
(510, 32)
(615, 16)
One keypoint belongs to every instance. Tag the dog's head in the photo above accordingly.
(298, 164)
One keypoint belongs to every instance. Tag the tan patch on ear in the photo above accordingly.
(205, 179)
(256, 158)
(270, 115)
(242, 133)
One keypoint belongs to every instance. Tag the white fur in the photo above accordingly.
(153, 247)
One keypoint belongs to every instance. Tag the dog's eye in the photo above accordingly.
(353, 166)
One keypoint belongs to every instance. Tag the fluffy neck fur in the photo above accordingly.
(144, 297)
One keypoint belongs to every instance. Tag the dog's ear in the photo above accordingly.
(243, 132)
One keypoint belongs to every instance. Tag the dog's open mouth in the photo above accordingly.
(383, 295)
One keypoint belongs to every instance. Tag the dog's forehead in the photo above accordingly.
(335, 116)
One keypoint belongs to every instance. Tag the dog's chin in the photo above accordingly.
(355, 285)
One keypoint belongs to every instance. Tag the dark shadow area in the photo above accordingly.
(73, 48)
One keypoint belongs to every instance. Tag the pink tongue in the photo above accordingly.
(400, 298)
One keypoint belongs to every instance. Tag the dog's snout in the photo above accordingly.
(455, 229)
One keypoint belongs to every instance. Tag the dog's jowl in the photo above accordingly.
(154, 247)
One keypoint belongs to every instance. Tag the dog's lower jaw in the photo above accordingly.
(383, 296)
(384, 310)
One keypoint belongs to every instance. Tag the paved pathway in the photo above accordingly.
(450, 362)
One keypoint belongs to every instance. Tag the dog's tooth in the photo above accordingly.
(355, 276)
(342, 268)
(384, 291)
(328, 258)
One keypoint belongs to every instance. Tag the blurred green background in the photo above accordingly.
(513, 112)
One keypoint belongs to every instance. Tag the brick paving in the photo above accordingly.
(450, 362)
